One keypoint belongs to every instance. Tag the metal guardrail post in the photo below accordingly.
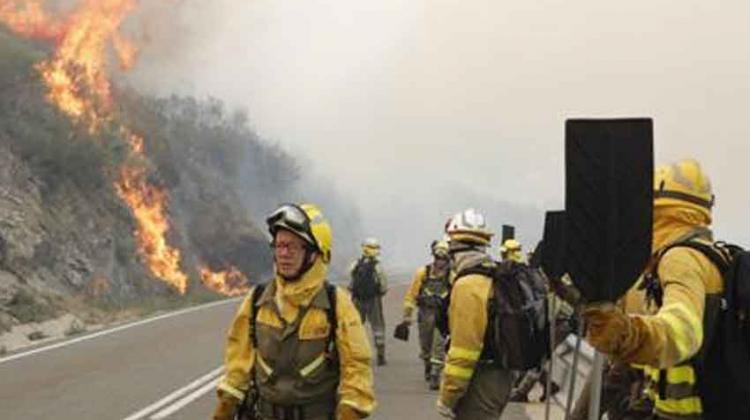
(596, 386)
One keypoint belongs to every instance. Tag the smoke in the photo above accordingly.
(415, 109)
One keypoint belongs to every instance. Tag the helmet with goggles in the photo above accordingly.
(305, 221)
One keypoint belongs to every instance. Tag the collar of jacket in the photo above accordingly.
(469, 258)
(291, 296)
(674, 223)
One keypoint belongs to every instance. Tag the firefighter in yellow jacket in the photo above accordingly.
(665, 341)
(429, 289)
(473, 386)
(289, 358)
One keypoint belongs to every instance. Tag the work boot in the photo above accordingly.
(434, 382)
(381, 355)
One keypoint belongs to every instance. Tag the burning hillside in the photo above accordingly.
(78, 82)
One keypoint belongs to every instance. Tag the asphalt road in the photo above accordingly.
(167, 367)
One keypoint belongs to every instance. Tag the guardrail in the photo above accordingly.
(563, 368)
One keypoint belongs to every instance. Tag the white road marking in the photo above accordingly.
(114, 330)
(185, 401)
(211, 377)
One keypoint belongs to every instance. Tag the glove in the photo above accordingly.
(226, 407)
(565, 290)
(445, 411)
(401, 332)
(347, 412)
(607, 327)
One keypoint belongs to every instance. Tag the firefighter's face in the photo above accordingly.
(289, 253)
(441, 263)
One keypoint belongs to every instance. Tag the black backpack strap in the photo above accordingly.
(714, 252)
(331, 315)
(257, 293)
(424, 280)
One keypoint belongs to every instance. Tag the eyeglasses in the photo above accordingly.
(289, 247)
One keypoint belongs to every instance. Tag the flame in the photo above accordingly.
(230, 282)
(79, 85)
(78, 82)
(29, 19)
(76, 75)
(148, 204)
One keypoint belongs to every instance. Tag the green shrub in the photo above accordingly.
(25, 307)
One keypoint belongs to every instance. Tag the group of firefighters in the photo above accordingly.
(297, 347)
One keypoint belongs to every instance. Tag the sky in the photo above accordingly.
(415, 109)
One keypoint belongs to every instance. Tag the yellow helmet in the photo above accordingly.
(510, 250)
(510, 245)
(683, 184)
(371, 247)
(439, 248)
(305, 221)
(468, 226)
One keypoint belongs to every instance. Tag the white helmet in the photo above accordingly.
(371, 243)
(468, 226)
(371, 247)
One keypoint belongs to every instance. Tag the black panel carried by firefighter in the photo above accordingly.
(509, 232)
(553, 248)
(535, 260)
(609, 205)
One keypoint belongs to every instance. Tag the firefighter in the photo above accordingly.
(689, 285)
(297, 347)
(368, 286)
(473, 386)
(428, 291)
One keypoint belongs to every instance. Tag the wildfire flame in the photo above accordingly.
(29, 19)
(79, 85)
(148, 204)
(76, 75)
(231, 282)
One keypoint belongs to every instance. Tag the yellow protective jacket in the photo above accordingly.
(418, 280)
(356, 380)
(664, 341)
(468, 320)
(410, 300)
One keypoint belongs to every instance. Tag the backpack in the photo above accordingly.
(441, 313)
(364, 279)
(517, 335)
(722, 365)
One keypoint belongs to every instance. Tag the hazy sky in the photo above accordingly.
(407, 103)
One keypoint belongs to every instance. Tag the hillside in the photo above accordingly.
(69, 242)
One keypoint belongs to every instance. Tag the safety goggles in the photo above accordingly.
(289, 215)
